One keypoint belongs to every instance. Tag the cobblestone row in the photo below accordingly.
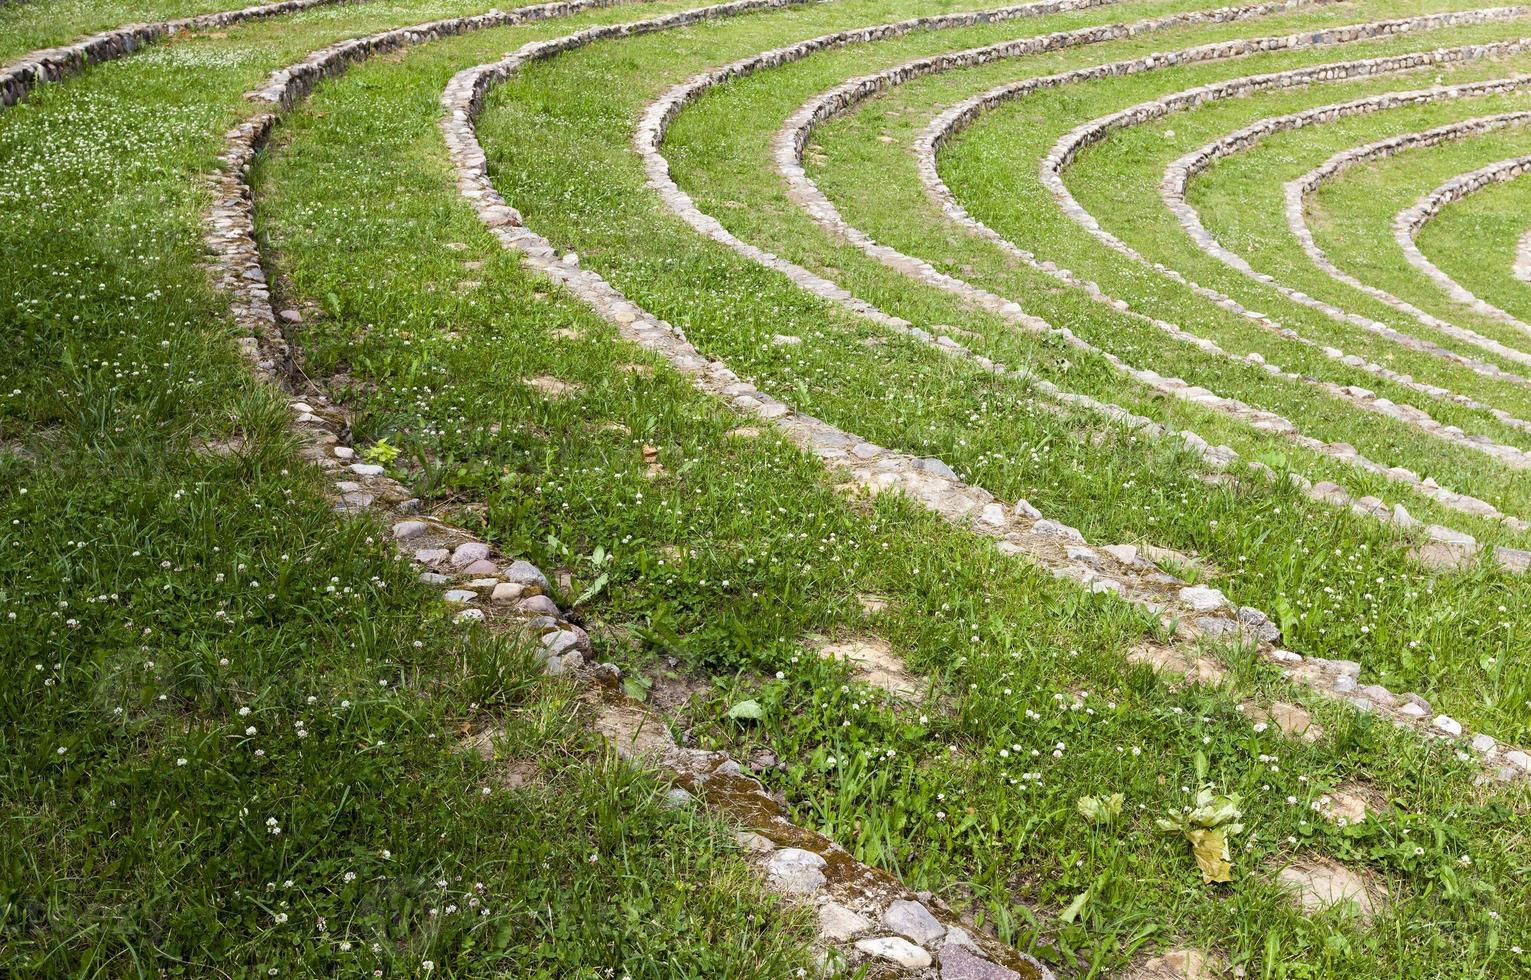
(1447, 547)
(1182, 171)
(1407, 225)
(1193, 613)
(1087, 134)
(1296, 192)
(793, 138)
(52, 64)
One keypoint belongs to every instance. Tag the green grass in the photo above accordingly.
(27, 25)
(1143, 216)
(993, 169)
(708, 573)
(772, 553)
(199, 653)
(1419, 173)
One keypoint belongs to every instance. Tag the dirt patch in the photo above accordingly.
(552, 387)
(1167, 660)
(872, 661)
(1317, 884)
(1178, 964)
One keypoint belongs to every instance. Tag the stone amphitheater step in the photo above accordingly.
(29, 71)
(1182, 171)
(1411, 220)
(1018, 530)
(1297, 191)
(1448, 547)
(795, 134)
(1097, 130)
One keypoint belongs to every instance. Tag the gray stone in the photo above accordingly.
(1203, 599)
(469, 552)
(959, 962)
(913, 921)
(404, 530)
(796, 871)
(539, 605)
(460, 595)
(524, 573)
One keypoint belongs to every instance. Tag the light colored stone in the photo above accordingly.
(1447, 724)
(1176, 964)
(1292, 719)
(506, 592)
(895, 949)
(873, 662)
(1203, 599)
(405, 530)
(469, 552)
(1319, 883)
(838, 923)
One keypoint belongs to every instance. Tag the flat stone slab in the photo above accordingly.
(874, 663)
(896, 950)
(838, 923)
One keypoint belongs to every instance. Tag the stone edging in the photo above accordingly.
(36, 68)
(794, 136)
(1087, 134)
(1181, 172)
(1019, 530)
(1448, 547)
(1407, 224)
(1296, 190)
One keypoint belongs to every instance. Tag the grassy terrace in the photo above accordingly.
(142, 468)
(929, 237)
(738, 509)
(1272, 248)
(1285, 558)
(1142, 155)
(1107, 180)
(26, 25)
(1486, 220)
(1034, 221)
